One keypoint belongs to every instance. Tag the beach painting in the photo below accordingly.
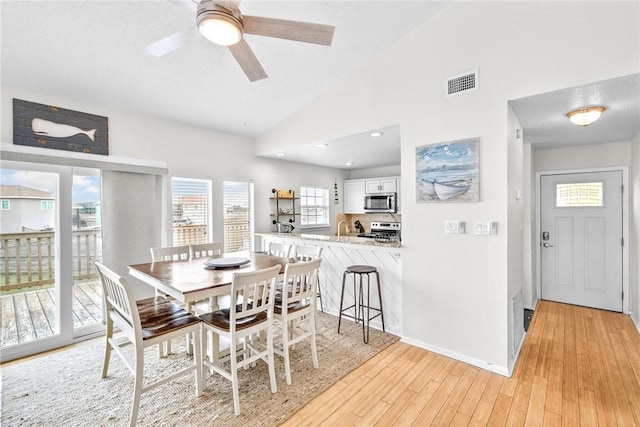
(448, 172)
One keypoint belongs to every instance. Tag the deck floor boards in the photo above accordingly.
(30, 315)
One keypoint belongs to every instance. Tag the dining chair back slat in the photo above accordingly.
(281, 250)
(308, 253)
(203, 250)
(170, 253)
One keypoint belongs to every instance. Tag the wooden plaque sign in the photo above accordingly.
(39, 125)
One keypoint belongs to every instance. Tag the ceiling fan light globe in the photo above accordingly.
(220, 31)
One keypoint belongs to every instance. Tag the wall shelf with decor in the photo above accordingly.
(285, 205)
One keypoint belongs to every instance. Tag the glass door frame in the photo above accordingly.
(63, 286)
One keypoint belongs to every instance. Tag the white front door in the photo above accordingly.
(581, 239)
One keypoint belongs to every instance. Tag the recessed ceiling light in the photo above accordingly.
(376, 133)
(349, 164)
(281, 154)
(323, 145)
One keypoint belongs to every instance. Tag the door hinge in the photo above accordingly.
(622, 295)
(622, 241)
(622, 188)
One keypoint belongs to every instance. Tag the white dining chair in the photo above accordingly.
(308, 253)
(281, 250)
(203, 250)
(145, 323)
(296, 305)
(170, 253)
(252, 315)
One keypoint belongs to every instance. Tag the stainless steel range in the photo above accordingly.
(384, 231)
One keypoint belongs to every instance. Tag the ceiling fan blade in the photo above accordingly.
(289, 30)
(173, 42)
(247, 60)
(192, 5)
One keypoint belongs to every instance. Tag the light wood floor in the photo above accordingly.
(578, 367)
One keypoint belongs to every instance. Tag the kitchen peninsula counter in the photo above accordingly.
(349, 238)
(340, 252)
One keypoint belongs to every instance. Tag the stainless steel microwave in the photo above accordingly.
(381, 202)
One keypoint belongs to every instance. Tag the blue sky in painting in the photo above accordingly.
(462, 154)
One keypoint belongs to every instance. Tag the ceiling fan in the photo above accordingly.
(222, 23)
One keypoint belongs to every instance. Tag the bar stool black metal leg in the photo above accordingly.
(365, 337)
(380, 299)
(344, 277)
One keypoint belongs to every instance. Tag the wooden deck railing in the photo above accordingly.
(28, 259)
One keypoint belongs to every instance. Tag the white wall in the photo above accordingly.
(190, 152)
(456, 287)
(583, 157)
(376, 172)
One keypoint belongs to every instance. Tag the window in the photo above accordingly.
(5, 204)
(581, 194)
(46, 205)
(238, 216)
(314, 207)
(190, 205)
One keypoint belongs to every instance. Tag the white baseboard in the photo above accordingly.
(635, 321)
(513, 362)
(461, 357)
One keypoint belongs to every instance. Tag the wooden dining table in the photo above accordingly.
(189, 281)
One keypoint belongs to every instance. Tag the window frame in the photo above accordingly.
(46, 205)
(8, 204)
(325, 207)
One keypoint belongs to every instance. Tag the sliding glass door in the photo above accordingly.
(49, 240)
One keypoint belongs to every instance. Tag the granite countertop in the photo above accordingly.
(352, 238)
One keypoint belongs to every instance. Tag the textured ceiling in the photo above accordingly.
(94, 51)
(544, 119)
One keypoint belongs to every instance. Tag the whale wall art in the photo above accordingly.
(39, 125)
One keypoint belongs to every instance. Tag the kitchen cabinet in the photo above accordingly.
(354, 196)
(380, 185)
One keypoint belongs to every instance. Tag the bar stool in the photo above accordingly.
(358, 298)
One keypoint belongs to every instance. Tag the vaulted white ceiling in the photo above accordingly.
(94, 51)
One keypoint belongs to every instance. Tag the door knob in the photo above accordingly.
(547, 245)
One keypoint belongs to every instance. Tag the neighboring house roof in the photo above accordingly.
(21, 192)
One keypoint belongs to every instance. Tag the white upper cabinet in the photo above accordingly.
(354, 196)
(381, 185)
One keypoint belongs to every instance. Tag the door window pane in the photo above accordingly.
(581, 194)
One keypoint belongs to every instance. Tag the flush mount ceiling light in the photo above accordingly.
(349, 164)
(585, 116)
(376, 133)
(219, 25)
(281, 154)
(322, 145)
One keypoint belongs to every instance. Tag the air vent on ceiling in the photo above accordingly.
(462, 83)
